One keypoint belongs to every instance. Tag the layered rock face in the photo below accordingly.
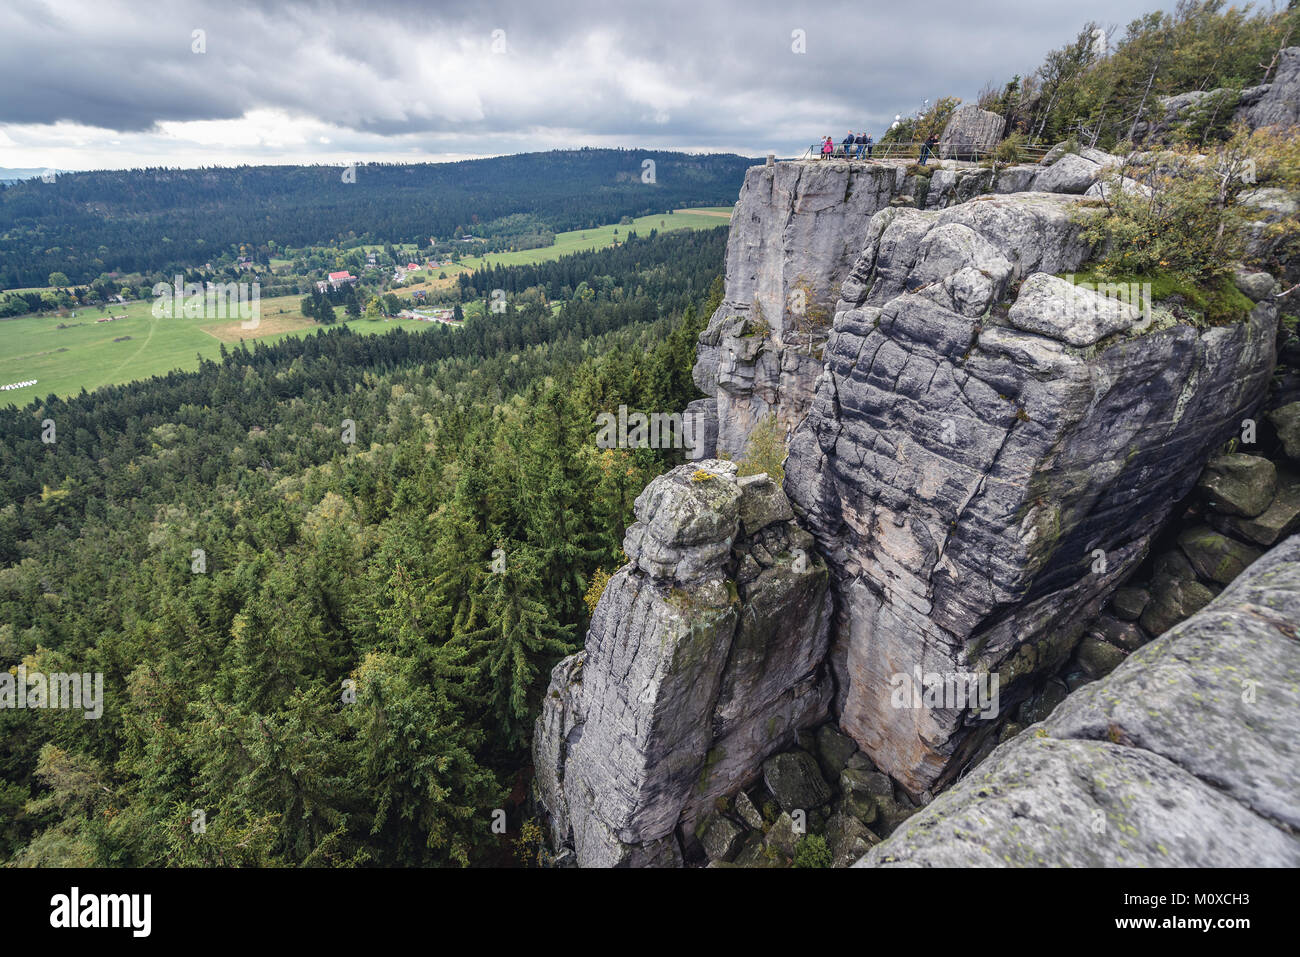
(703, 658)
(1123, 773)
(988, 453)
(796, 233)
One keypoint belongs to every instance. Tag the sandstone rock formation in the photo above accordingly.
(796, 233)
(980, 477)
(1185, 755)
(982, 452)
(970, 133)
(703, 658)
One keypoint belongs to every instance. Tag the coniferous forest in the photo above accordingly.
(326, 579)
(159, 219)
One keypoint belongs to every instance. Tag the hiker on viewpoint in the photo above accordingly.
(861, 141)
(928, 146)
(869, 141)
(848, 146)
(828, 148)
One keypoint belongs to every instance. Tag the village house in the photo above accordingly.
(336, 279)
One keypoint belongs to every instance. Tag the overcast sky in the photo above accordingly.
(91, 84)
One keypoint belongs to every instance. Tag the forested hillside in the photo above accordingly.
(1105, 86)
(1106, 83)
(85, 224)
(330, 653)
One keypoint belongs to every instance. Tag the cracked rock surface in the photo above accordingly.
(982, 434)
(1185, 756)
(703, 658)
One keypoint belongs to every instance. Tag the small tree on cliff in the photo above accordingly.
(765, 451)
(1186, 215)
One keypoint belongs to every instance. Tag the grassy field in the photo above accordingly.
(581, 240)
(89, 354)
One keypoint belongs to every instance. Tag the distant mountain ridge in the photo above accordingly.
(87, 223)
(8, 175)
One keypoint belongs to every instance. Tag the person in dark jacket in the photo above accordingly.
(848, 146)
(860, 141)
(928, 147)
(870, 142)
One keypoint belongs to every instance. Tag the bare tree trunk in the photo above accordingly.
(1145, 93)
(1273, 62)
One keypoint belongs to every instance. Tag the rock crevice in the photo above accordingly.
(1184, 756)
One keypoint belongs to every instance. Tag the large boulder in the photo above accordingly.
(1129, 603)
(1069, 174)
(1176, 594)
(703, 658)
(1286, 419)
(987, 456)
(1215, 556)
(1281, 518)
(1076, 315)
(795, 781)
(1185, 756)
(1239, 484)
(971, 132)
(834, 749)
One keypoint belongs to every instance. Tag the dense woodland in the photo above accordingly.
(351, 678)
(86, 224)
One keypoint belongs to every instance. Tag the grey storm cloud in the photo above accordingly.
(691, 74)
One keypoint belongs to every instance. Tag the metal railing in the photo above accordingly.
(912, 151)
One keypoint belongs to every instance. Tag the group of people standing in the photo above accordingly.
(863, 141)
(864, 144)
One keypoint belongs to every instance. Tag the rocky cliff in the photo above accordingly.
(796, 233)
(989, 452)
(980, 452)
(1185, 756)
(703, 658)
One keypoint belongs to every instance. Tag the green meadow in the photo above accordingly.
(581, 240)
(88, 354)
(68, 353)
